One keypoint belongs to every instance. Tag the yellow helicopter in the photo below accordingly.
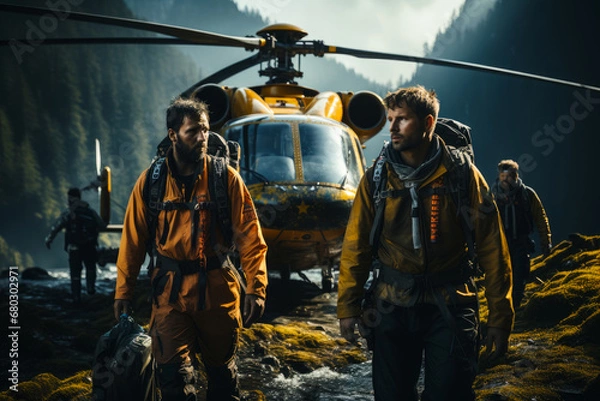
(300, 149)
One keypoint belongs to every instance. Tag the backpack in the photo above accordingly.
(458, 141)
(123, 364)
(223, 153)
(82, 229)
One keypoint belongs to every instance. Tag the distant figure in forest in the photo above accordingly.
(521, 210)
(82, 225)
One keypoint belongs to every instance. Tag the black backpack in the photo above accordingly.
(222, 153)
(123, 364)
(82, 227)
(458, 141)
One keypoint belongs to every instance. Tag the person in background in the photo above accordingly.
(82, 225)
(522, 212)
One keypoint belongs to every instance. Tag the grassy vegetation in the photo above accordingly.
(554, 352)
(555, 346)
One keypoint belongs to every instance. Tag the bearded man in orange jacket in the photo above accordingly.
(196, 302)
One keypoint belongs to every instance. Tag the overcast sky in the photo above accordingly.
(392, 26)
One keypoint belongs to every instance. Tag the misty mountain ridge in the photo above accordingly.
(61, 98)
(548, 128)
(320, 73)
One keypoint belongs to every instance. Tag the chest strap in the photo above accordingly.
(182, 268)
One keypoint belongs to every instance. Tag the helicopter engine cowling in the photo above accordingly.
(326, 104)
(218, 99)
(364, 112)
(246, 101)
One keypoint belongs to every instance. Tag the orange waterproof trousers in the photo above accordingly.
(181, 329)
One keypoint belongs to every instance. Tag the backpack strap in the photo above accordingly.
(217, 186)
(377, 181)
(459, 174)
(153, 193)
(154, 190)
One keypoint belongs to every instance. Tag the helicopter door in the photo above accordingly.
(328, 155)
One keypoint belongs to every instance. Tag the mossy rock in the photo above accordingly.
(74, 388)
(580, 241)
(590, 328)
(36, 389)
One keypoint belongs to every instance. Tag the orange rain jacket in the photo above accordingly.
(396, 248)
(246, 232)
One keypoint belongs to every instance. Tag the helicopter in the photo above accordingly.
(301, 150)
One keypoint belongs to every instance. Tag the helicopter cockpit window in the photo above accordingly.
(267, 152)
(328, 155)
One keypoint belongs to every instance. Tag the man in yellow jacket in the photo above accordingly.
(196, 302)
(424, 299)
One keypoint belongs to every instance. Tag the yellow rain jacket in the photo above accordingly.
(439, 258)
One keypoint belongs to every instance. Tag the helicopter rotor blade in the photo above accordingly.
(452, 63)
(225, 73)
(98, 158)
(110, 41)
(191, 35)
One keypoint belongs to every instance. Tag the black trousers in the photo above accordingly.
(82, 254)
(521, 266)
(404, 336)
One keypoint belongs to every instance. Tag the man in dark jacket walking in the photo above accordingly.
(521, 210)
(82, 225)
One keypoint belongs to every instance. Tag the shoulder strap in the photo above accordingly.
(377, 181)
(153, 192)
(459, 174)
(217, 186)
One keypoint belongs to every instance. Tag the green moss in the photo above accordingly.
(75, 388)
(303, 347)
(72, 392)
(254, 395)
(554, 349)
(36, 389)
(31, 391)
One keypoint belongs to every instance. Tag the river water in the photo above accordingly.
(349, 383)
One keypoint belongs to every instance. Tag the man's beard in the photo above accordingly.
(188, 154)
(507, 186)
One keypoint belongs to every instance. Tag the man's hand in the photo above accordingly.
(48, 241)
(122, 306)
(348, 328)
(496, 343)
(254, 307)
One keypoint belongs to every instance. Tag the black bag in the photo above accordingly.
(456, 135)
(82, 228)
(123, 364)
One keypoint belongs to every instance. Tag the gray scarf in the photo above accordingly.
(412, 177)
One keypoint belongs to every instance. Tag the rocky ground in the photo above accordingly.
(554, 353)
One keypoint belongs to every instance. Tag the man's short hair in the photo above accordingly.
(181, 108)
(74, 193)
(509, 166)
(417, 98)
